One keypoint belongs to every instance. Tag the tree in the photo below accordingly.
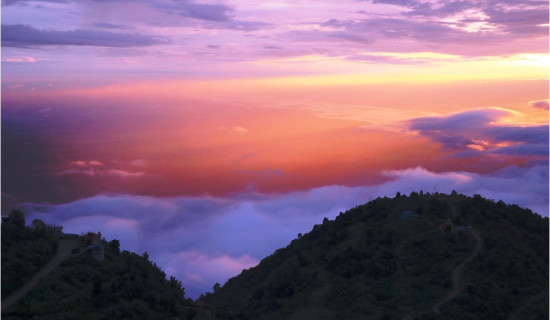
(176, 286)
(216, 287)
(114, 245)
(38, 225)
(17, 219)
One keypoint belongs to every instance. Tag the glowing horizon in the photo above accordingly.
(175, 126)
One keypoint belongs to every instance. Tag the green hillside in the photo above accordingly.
(395, 258)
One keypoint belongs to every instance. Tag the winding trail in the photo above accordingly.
(458, 273)
(63, 252)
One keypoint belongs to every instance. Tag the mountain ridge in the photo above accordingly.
(393, 259)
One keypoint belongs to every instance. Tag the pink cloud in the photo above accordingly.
(83, 163)
(94, 168)
(91, 172)
(124, 173)
(79, 163)
(139, 163)
(240, 130)
(22, 60)
(235, 129)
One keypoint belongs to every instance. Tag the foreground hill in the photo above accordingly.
(421, 256)
(108, 284)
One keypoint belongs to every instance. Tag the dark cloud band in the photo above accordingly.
(20, 35)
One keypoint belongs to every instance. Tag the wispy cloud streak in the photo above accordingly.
(20, 35)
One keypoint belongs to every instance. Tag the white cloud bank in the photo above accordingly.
(203, 240)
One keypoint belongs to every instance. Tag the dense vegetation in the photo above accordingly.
(122, 286)
(387, 259)
(24, 249)
(369, 264)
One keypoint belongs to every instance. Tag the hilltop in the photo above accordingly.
(423, 256)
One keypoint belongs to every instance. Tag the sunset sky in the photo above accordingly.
(210, 133)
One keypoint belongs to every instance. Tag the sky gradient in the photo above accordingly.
(210, 133)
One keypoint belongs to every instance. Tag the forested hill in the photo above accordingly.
(122, 285)
(423, 256)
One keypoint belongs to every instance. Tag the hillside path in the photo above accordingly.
(63, 252)
(458, 273)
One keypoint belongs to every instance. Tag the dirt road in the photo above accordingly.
(458, 273)
(63, 252)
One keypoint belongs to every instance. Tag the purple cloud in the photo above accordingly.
(402, 35)
(474, 130)
(13, 2)
(486, 25)
(425, 8)
(20, 35)
(110, 26)
(529, 135)
(187, 8)
(510, 12)
(516, 19)
(211, 12)
(541, 104)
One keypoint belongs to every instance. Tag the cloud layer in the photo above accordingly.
(203, 240)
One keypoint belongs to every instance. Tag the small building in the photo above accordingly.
(94, 245)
